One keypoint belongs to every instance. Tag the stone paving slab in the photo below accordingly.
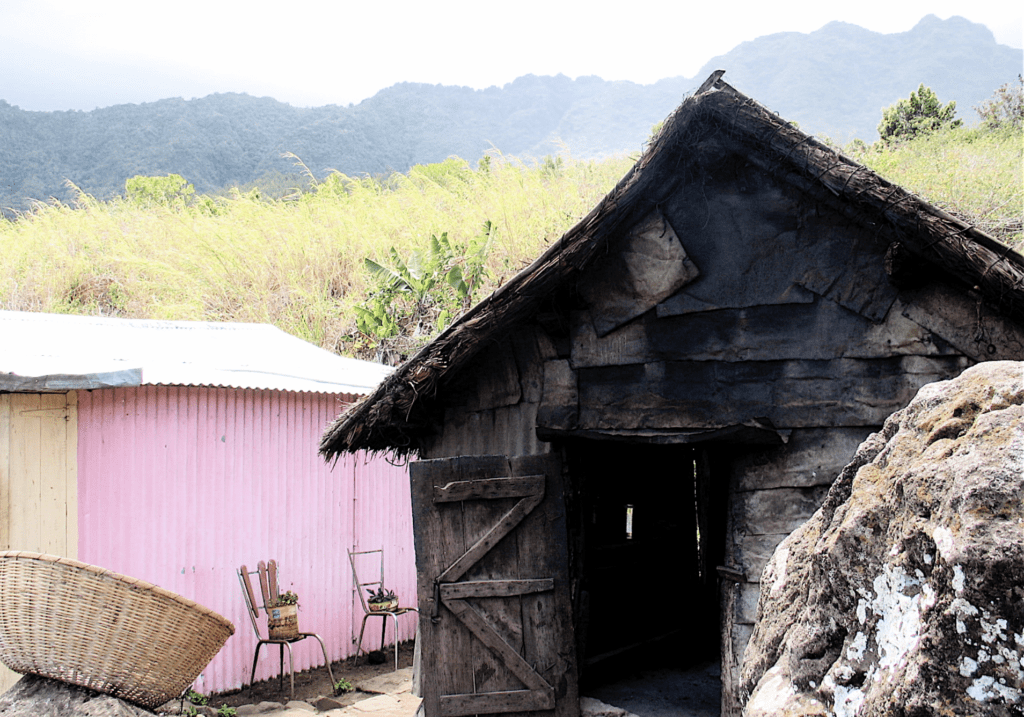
(392, 698)
(390, 683)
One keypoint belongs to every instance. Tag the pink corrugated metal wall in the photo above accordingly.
(180, 486)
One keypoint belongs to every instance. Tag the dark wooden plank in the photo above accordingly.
(753, 227)
(492, 537)
(811, 457)
(489, 489)
(775, 511)
(490, 380)
(508, 430)
(854, 273)
(966, 322)
(497, 702)
(532, 347)
(494, 588)
(730, 659)
(508, 655)
(559, 407)
(641, 267)
(492, 557)
(789, 394)
(439, 541)
(820, 330)
(548, 635)
(742, 228)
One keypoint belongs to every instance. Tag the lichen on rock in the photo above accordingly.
(904, 593)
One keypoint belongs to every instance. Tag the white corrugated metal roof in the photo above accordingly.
(62, 352)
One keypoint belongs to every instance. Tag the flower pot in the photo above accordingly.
(283, 622)
(383, 606)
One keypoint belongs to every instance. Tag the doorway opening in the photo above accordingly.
(648, 526)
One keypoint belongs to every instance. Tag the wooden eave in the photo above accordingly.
(396, 415)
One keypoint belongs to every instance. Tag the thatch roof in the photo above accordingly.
(397, 415)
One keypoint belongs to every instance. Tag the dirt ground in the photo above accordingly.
(315, 683)
(665, 682)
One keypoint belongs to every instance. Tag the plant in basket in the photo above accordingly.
(381, 599)
(283, 616)
(286, 598)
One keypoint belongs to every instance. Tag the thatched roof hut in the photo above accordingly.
(664, 395)
(923, 238)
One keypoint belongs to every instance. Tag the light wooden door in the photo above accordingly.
(38, 473)
(38, 478)
(495, 620)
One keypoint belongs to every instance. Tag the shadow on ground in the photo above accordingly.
(311, 684)
(665, 681)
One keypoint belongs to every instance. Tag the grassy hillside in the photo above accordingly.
(972, 173)
(299, 263)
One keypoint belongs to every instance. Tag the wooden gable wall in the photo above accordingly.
(788, 315)
(738, 300)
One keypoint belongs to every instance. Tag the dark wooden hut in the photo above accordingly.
(664, 395)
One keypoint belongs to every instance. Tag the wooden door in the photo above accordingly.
(38, 478)
(496, 631)
(38, 473)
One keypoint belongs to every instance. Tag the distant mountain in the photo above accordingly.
(834, 81)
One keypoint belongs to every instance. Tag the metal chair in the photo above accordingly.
(268, 591)
(367, 612)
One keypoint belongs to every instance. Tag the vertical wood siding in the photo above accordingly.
(180, 486)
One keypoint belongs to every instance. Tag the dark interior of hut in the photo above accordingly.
(647, 525)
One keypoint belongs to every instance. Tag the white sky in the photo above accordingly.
(315, 53)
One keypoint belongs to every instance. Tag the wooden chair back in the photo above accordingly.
(361, 586)
(268, 590)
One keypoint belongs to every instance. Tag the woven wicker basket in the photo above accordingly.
(69, 621)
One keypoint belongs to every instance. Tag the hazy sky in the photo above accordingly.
(59, 54)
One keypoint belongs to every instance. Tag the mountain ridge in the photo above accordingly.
(833, 81)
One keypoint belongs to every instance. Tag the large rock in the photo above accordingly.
(904, 593)
(34, 696)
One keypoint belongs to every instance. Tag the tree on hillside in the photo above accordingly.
(1005, 108)
(921, 113)
(172, 190)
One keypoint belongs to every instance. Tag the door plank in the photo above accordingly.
(439, 541)
(494, 588)
(489, 488)
(500, 562)
(547, 617)
(496, 703)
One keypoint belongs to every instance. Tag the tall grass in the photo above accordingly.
(297, 264)
(975, 174)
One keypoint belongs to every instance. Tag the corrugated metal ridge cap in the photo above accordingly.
(190, 353)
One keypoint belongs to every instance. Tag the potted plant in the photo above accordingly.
(382, 599)
(283, 616)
